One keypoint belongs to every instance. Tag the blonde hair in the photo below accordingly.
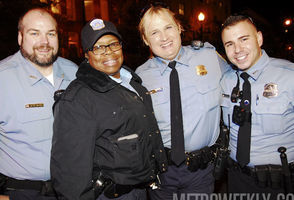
(152, 11)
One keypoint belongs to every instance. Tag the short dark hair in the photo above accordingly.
(236, 18)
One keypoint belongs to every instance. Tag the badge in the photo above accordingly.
(31, 76)
(270, 90)
(155, 90)
(201, 70)
(34, 105)
(97, 24)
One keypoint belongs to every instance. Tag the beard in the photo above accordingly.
(40, 61)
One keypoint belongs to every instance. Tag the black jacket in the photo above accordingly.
(92, 118)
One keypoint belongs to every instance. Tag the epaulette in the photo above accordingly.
(282, 63)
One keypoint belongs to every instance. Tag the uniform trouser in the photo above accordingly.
(179, 183)
(135, 194)
(243, 186)
(27, 195)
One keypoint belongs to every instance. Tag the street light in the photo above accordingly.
(287, 22)
(201, 18)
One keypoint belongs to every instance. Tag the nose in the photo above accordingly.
(238, 47)
(108, 50)
(44, 39)
(163, 36)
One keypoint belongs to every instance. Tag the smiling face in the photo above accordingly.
(111, 61)
(38, 38)
(163, 35)
(242, 43)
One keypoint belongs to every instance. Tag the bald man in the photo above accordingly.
(28, 80)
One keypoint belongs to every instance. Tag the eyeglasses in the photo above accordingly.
(101, 49)
(152, 4)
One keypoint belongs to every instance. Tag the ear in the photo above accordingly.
(19, 38)
(180, 28)
(145, 41)
(87, 56)
(259, 38)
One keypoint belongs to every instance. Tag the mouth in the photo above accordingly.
(241, 58)
(43, 49)
(166, 45)
(110, 62)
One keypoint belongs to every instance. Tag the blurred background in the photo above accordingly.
(201, 20)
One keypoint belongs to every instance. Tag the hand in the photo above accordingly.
(2, 197)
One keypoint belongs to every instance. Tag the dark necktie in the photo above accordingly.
(177, 132)
(244, 134)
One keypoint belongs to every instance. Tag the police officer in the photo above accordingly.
(199, 74)
(260, 108)
(28, 80)
(106, 142)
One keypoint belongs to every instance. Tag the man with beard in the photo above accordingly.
(28, 80)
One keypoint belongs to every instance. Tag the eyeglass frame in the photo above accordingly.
(105, 48)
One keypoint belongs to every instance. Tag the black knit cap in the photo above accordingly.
(94, 30)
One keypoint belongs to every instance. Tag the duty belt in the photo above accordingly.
(265, 175)
(112, 190)
(44, 187)
(198, 159)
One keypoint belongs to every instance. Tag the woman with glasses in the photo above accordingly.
(106, 142)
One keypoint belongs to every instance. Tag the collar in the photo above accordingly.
(98, 80)
(125, 75)
(163, 64)
(34, 75)
(30, 71)
(256, 70)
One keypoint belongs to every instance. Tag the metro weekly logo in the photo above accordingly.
(231, 196)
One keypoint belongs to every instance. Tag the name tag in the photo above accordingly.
(34, 105)
(155, 90)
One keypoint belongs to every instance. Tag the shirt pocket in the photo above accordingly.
(35, 111)
(128, 151)
(161, 96)
(270, 116)
(211, 96)
(36, 120)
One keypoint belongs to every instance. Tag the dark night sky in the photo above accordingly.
(269, 16)
(273, 11)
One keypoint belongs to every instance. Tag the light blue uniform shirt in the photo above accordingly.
(272, 107)
(199, 75)
(125, 79)
(26, 116)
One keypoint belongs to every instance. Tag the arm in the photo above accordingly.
(72, 150)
